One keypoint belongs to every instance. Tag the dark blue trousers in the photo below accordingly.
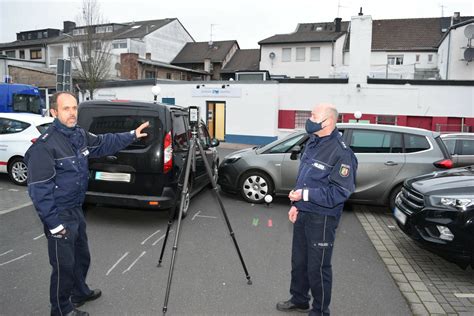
(313, 242)
(70, 259)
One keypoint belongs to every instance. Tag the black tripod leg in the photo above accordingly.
(170, 223)
(189, 161)
(216, 193)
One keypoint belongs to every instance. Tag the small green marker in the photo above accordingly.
(255, 222)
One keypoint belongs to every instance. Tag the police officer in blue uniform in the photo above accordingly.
(326, 179)
(57, 182)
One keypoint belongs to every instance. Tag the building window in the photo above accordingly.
(183, 76)
(168, 75)
(117, 45)
(22, 54)
(109, 29)
(301, 117)
(72, 51)
(315, 54)
(79, 31)
(35, 54)
(430, 58)
(45, 34)
(150, 74)
(395, 59)
(40, 34)
(29, 36)
(286, 54)
(387, 119)
(300, 53)
(10, 53)
(417, 58)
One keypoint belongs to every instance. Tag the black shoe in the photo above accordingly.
(95, 294)
(76, 312)
(288, 306)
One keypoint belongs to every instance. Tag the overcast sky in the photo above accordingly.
(247, 21)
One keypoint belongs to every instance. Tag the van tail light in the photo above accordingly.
(168, 150)
(34, 140)
(444, 164)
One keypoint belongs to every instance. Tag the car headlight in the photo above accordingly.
(459, 202)
(231, 159)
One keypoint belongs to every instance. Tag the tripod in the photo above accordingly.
(183, 186)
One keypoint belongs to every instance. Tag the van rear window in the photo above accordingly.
(119, 124)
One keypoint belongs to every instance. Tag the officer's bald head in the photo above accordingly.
(326, 113)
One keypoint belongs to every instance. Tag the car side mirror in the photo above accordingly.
(295, 151)
(214, 142)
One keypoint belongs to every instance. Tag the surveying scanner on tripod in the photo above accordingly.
(183, 188)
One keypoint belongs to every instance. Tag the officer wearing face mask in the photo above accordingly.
(326, 179)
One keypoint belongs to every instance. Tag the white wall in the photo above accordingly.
(360, 48)
(255, 112)
(166, 42)
(456, 68)
(321, 68)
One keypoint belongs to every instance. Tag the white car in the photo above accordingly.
(17, 132)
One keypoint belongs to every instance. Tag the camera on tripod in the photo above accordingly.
(193, 116)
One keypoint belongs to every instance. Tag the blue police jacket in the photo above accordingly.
(58, 169)
(326, 175)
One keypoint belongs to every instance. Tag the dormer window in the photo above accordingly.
(319, 28)
(79, 32)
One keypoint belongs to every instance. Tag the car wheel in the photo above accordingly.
(254, 186)
(187, 200)
(18, 171)
(393, 196)
(215, 173)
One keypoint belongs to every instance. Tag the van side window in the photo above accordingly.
(466, 147)
(204, 136)
(415, 143)
(180, 139)
(450, 144)
(366, 141)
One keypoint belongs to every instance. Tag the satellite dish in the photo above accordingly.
(272, 55)
(469, 31)
(469, 54)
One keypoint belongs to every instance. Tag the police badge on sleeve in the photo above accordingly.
(344, 170)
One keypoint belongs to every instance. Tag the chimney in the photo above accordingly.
(148, 56)
(68, 26)
(456, 18)
(129, 68)
(337, 24)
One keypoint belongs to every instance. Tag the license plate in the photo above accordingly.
(115, 176)
(402, 218)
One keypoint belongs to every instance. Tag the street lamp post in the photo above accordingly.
(156, 91)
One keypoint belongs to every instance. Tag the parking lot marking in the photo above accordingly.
(8, 210)
(255, 222)
(464, 295)
(158, 240)
(146, 239)
(116, 263)
(133, 263)
(13, 190)
(204, 216)
(6, 252)
(38, 237)
(20, 257)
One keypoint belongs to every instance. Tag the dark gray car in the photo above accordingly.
(461, 148)
(387, 156)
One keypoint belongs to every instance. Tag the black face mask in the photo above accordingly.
(313, 127)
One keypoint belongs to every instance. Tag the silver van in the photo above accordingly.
(387, 156)
(461, 148)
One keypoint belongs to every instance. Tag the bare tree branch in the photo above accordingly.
(93, 48)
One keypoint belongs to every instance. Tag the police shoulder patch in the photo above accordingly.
(344, 171)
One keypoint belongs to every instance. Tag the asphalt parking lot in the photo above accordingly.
(377, 269)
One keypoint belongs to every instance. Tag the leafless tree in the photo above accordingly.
(91, 47)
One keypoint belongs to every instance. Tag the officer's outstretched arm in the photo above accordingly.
(41, 186)
(341, 184)
(108, 144)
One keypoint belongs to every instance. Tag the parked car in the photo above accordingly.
(17, 132)
(437, 210)
(145, 174)
(461, 148)
(387, 156)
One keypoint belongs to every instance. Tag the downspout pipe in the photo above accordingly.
(447, 57)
